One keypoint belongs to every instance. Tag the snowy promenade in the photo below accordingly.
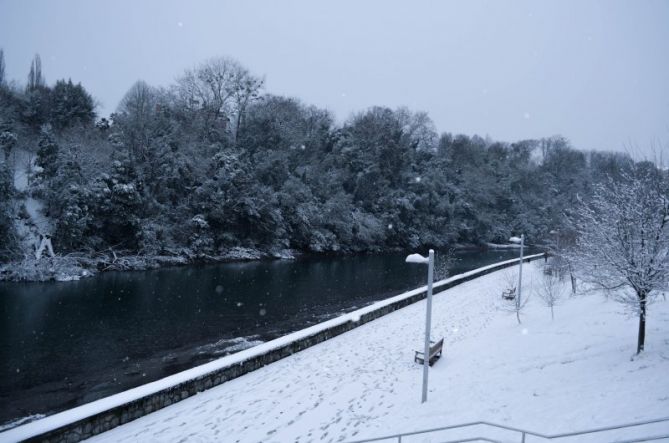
(569, 374)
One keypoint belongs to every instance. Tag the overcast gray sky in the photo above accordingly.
(596, 72)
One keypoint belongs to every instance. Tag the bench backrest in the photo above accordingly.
(438, 345)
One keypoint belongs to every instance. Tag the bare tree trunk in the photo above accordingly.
(642, 323)
(573, 280)
(238, 125)
(552, 314)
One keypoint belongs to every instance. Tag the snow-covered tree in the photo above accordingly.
(47, 155)
(117, 199)
(35, 105)
(7, 142)
(551, 289)
(134, 119)
(200, 239)
(7, 236)
(71, 105)
(35, 77)
(623, 241)
(218, 92)
(560, 243)
(246, 89)
(74, 218)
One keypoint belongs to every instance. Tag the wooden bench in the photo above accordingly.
(509, 294)
(435, 352)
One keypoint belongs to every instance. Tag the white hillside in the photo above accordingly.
(36, 223)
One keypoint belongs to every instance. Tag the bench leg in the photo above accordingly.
(435, 357)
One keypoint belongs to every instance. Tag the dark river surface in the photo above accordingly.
(67, 343)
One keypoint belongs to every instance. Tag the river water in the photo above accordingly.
(68, 343)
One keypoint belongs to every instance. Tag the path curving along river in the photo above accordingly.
(68, 343)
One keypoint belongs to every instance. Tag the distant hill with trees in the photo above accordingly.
(214, 162)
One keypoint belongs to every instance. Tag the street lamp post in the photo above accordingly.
(520, 240)
(417, 258)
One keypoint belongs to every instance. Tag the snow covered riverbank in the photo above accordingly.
(571, 373)
(77, 266)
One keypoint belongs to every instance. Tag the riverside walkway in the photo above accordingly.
(571, 373)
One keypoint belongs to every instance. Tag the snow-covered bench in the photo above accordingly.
(509, 294)
(435, 352)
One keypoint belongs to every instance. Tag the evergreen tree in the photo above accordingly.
(47, 155)
(74, 219)
(36, 99)
(7, 142)
(118, 204)
(7, 234)
(70, 105)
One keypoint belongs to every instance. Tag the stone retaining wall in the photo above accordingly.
(111, 418)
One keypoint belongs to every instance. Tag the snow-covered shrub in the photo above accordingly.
(152, 238)
(57, 268)
(200, 241)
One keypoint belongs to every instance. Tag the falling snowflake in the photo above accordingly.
(526, 116)
(390, 226)
(418, 179)
(180, 24)
(219, 289)
(524, 331)
(240, 304)
(262, 312)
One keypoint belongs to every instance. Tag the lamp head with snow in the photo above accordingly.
(515, 240)
(417, 258)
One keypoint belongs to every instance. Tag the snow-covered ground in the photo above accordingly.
(575, 372)
(28, 229)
